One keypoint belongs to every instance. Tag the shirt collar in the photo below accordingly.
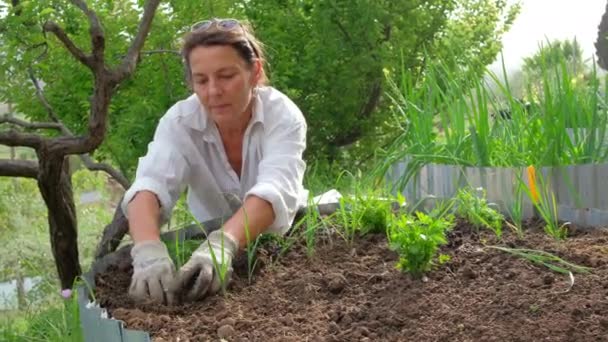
(198, 118)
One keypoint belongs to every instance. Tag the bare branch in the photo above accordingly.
(98, 41)
(95, 166)
(7, 118)
(18, 168)
(86, 159)
(40, 95)
(117, 175)
(155, 52)
(131, 59)
(51, 26)
(14, 138)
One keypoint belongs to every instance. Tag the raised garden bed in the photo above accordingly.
(354, 292)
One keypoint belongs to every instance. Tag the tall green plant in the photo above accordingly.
(450, 118)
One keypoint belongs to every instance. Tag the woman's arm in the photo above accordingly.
(144, 217)
(281, 171)
(251, 220)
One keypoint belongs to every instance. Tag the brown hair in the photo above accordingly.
(241, 38)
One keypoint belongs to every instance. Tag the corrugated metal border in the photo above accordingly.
(96, 327)
(580, 190)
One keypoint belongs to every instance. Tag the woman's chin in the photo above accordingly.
(221, 118)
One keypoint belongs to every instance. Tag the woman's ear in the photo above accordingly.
(188, 76)
(257, 72)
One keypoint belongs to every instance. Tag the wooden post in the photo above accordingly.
(21, 301)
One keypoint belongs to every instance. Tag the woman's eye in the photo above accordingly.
(227, 76)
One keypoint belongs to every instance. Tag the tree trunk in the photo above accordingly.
(112, 234)
(56, 188)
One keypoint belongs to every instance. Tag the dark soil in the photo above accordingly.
(354, 293)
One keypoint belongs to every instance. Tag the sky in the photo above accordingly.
(540, 20)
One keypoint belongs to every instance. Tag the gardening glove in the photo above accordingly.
(153, 270)
(202, 274)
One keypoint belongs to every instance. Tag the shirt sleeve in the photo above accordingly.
(162, 170)
(281, 171)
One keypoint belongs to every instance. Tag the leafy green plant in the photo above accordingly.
(416, 239)
(362, 215)
(365, 209)
(312, 223)
(475, 209)
(376, 214)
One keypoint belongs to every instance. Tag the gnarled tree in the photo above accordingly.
(51, 169)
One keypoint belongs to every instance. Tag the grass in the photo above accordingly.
(47, 317)
(57, 321)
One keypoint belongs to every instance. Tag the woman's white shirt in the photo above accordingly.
(187, 152)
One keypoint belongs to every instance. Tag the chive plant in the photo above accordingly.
(543, 258)
(447, 117)
(543, 198)
(515, 211)
(251, 250)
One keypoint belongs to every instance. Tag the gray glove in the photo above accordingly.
(201, 275)
(153, 271)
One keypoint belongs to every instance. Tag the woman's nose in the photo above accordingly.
(214, 88)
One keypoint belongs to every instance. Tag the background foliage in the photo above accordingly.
(330, 56)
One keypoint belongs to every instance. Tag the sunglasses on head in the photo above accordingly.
(220, 24)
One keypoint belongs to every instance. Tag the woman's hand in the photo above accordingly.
(153, 271)
(209, 268)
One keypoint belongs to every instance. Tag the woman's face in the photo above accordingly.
(223, 82)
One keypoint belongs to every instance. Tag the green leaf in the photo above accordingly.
(46, 12)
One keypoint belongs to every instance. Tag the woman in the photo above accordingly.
(236, 144)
